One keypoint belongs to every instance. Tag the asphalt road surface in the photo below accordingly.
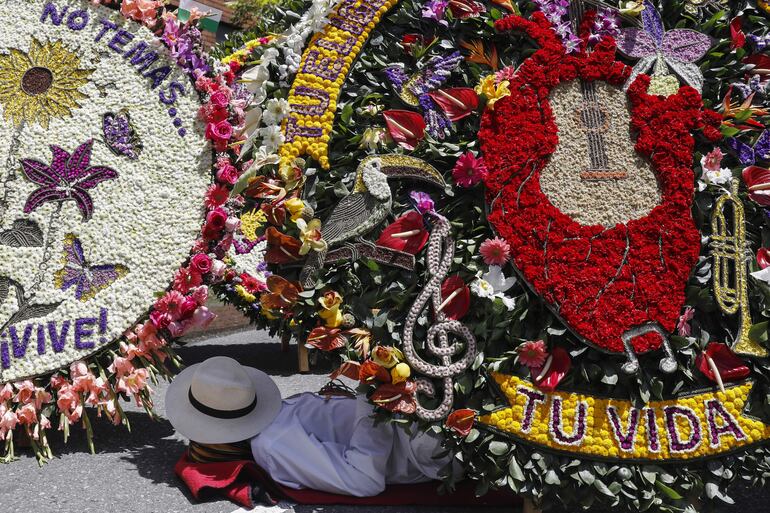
(133, 471)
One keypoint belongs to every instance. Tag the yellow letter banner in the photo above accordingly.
(322, 71)
(698, 425)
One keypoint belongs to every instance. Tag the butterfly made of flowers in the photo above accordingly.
(68, 177)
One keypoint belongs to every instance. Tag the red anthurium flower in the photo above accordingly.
(463, 9)
(554, 369)
(758, 180)
(396, 398)
(506, 4)
(763, 257)
(456, 297)
(281, 249)
(405, 127)
(371, 371)
(326, 339)
(407, 233)
(456, 102)
(461, 421)
(729, 365)
(350, 369)
(737, 36)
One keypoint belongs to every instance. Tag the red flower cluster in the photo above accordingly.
(601, 281)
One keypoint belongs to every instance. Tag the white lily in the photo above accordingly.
(497, 279)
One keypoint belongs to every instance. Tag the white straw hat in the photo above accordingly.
(220, 401)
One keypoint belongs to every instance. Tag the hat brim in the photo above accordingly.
(205, 429)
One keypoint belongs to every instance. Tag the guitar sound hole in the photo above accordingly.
(591, 117)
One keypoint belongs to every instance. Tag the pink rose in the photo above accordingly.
(201, 262)
(160, 319)
(228, 174)
(201, 294)
(220, 131)
(219, 99)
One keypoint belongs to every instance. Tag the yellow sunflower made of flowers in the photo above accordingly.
(41, 84)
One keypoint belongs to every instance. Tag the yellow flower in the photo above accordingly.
(296, 207)
(251, 222)
(400, 373)
(493, 91)
(387, 356)
(41, 84)
(292, 173)
(632, 7)
(310, 235)
(330, 303)
(245, 294)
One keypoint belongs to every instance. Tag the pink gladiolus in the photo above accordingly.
(78, 368)
(68, 402)
(8, 421)
(121, 366)
(6, 392)
(202, 318)
(143, 11)
(25, 392)
(133, 383)
(27, 415)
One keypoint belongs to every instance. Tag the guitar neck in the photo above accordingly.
(591, 114)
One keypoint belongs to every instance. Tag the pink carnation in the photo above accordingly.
(468, 170)
(495, 251)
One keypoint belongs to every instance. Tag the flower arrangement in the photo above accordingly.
(549, 271)
(108, 132)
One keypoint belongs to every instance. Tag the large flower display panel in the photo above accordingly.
(525, 225)
(105, 169)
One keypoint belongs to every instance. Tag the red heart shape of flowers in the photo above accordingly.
(603, 281)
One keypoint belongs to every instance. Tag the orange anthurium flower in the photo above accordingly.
(281, 249)
(262, 187)
(281, 293)
(371, 372)
(326, 339)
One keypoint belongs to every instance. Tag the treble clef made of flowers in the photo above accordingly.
(439, 260)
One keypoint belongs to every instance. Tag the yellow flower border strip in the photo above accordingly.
(700, 425)
(322, 72)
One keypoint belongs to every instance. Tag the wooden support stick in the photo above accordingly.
(302, 360)
(529, 507)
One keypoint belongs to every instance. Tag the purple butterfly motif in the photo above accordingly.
(88, 280)
(654, 46)
(69, 177)
(413, 90)
(749, 155)
(120, 135)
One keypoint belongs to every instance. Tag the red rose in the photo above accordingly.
(216, 219)
(187, 308)
(201, 263)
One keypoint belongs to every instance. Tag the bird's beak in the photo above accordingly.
(402, 166)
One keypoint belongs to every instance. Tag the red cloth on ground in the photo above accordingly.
(234, 479)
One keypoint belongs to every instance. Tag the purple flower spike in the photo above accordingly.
(69, 177)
